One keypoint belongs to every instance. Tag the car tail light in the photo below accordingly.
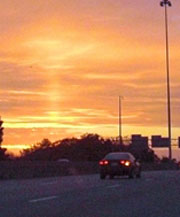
(127, 163)
(106, 162)
(122, 162)
(103, 162)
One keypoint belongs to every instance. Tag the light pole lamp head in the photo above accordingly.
(169, 3)
(161, 4)
(165, 2)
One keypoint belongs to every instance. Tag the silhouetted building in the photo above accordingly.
(161, 142)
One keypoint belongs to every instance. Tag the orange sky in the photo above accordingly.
(64, 63)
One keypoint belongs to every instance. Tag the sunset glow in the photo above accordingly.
(64, 64)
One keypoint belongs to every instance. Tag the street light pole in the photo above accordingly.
(165, 4)
(120, 123)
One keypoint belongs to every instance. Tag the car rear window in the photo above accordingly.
(119, 156)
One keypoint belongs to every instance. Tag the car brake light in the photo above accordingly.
(106, 162)
(127, 163)
(103, 162)
(122, 161)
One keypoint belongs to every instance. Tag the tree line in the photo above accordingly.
(89, 147)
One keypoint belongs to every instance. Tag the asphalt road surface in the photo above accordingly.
(156, 194)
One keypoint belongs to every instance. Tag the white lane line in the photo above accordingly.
(49, 183)
(113, 186)
(43, 199)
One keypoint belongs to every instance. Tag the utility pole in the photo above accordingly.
(165, 4)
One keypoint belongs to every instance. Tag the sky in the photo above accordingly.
(63, 65)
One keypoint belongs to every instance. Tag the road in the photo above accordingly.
(156, 194)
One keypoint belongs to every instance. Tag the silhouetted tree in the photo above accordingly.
(3, 155)
(89, 147)
(39, 151)
(167, 160)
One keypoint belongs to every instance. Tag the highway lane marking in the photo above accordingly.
(43, 199)
(113, 186)
(49, 183)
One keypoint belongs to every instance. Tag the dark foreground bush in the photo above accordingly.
(35, 169)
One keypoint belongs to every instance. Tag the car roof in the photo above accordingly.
(63, 160)
(119, 156)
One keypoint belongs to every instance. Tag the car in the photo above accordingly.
(63, 160)
(119, 164)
